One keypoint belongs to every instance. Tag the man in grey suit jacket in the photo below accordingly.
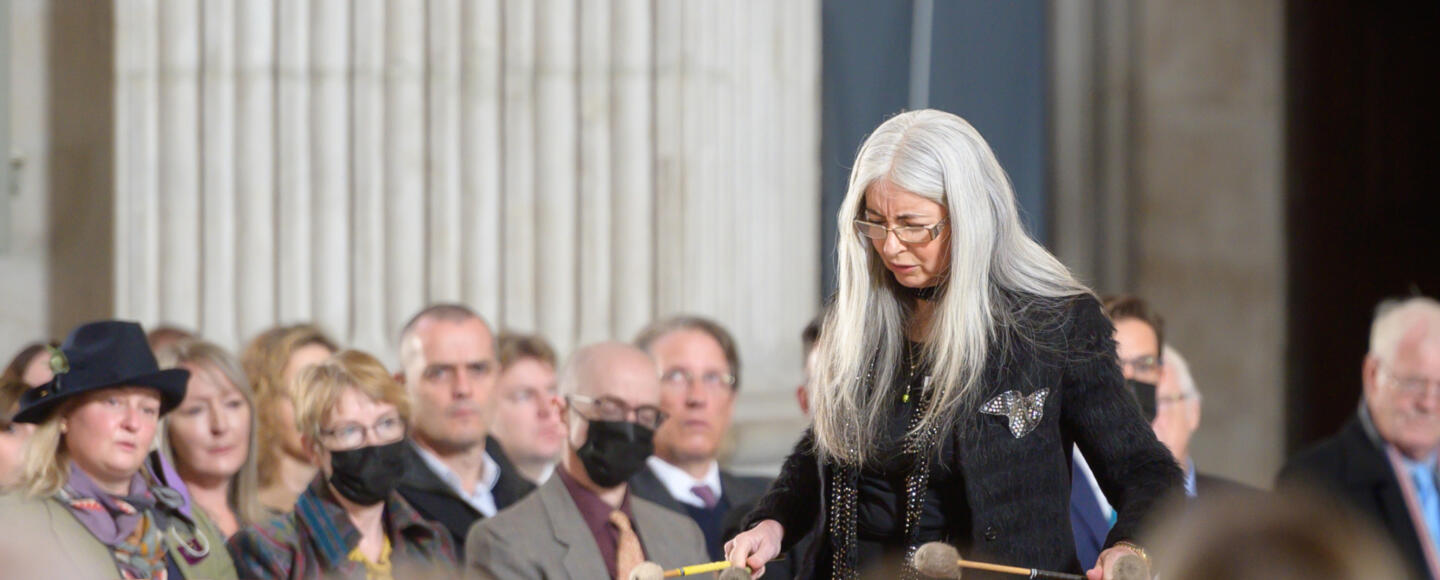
(583, 522)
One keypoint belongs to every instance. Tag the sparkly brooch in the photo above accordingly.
(1023, 412)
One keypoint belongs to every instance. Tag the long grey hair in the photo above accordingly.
(941, 157)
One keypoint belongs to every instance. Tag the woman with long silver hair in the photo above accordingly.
(959, 365)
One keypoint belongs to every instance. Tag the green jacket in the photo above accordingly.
(44, 540)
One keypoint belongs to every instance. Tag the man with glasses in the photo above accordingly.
(584, 522)
(449, 369)
(1383, 462)
(699, 376)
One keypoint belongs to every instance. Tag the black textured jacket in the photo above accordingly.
(1018, 489)
(437, 501)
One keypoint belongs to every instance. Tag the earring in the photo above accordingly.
(64, 427)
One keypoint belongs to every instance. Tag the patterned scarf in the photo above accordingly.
(126, 525)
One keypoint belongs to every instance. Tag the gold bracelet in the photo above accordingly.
(1137, 549)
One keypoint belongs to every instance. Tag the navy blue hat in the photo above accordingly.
(101, 355)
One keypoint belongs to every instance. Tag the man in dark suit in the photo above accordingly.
(1383, 462)
(448, 356)
(699, 376)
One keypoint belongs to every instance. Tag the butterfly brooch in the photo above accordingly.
(1022, 411)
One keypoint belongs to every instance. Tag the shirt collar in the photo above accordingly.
(1189, 477)
(483, 497)
(678, 482)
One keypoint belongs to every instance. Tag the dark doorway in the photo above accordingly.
(1363, 199)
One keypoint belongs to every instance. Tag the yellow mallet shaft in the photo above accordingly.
(698, 569)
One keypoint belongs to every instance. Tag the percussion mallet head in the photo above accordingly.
(734, 573)
(1129, 567)
(647, 571)
(937, 560)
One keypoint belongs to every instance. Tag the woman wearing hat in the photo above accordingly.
(88, 507)
(350, 523)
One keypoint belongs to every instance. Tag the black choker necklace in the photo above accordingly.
(926, 293)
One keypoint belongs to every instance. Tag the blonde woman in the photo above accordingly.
(89, 509)
(12, 435)
(210, 438)
(271, 361)
(350, 522)
(959, 364)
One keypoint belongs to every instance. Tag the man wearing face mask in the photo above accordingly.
(351, 523)
(583, 522)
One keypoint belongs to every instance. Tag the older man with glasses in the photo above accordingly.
(699, 377)
(584, 522)
(1383, 462)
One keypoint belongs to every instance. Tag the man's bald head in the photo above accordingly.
(612, 369)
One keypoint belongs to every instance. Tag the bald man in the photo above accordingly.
(584, 522)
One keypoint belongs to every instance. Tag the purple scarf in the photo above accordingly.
(116, 522)
(126, 525)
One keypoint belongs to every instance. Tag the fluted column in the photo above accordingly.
(570, 168)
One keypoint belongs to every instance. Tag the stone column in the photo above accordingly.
(570, 168)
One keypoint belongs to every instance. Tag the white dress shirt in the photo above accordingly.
(678, 482)
(482, 499)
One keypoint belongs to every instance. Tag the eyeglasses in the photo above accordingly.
(613, 409)
(1411, 385)
(906, 234)
(352, 435)
(681, 378)
(1146, 366)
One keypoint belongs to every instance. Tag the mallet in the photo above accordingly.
(938, 560)
(653, 571)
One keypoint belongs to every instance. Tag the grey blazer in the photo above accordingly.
(544, 537)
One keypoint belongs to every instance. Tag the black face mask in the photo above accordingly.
(1144, 395)
(614, 451)
(367, 475)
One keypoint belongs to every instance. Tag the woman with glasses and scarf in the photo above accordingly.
(87, 507)
(350, 523)
(958, 365)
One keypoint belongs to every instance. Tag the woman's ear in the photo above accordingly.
(312, 449)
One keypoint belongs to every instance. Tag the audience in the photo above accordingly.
(699, 376)
(584, 522)
(448, 355)
(86, 493)
(1383, 462)
(12, 435)
(31, 365)
(271, 361)
(392, 476)
(352, 417)
(210, 438)
(523, 421)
